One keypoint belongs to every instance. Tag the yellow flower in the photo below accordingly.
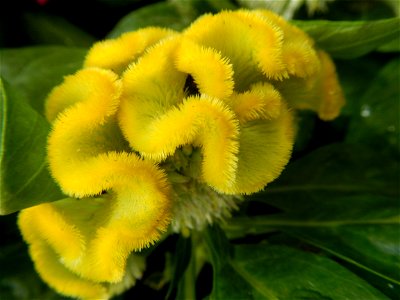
(79, 245)
(162, 127)
(117, 54)
(56, 243)
(261, 44)
(320, 93)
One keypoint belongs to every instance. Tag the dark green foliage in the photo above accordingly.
(327, 228)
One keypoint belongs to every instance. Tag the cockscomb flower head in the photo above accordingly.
(164, 128)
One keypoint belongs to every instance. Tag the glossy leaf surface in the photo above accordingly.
(25, 179)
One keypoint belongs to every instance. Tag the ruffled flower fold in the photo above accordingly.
(161, 127)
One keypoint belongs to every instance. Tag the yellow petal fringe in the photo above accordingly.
(117, 54)
(86, 159)
(218, 97)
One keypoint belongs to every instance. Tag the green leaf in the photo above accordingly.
(353, 84)
(292, 274)
(278, 272)
(343, 199)
(395, 5)
(34, 71)
(31, 74)
(24, 178)
(180, 262)
(49, 29)
(393, 46)
(362, 230)
(164, 14)
(337, 169)
(350, 39)
(379, 110)
(186, 288)
(174, 14)
(225, 280)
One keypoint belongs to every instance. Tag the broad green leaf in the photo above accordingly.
(378, 120)
(227, 284)
(216, 6)
(24, 178)
(385, 286)
(293, 274)
(195, 8)
(174, 14)
(353, 84)
(361, 11)
(363, 230)
(395, 5)
(337, 169)
(393, 46)
(34, 71)
(343, 199)
(279, 272)
(350, 39)
(164, 14)
(53, 30)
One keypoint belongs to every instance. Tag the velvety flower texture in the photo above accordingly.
(160, 127)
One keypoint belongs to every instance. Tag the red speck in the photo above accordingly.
(42, 2)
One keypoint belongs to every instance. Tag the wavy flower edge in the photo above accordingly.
(77, 234)
(143, 97)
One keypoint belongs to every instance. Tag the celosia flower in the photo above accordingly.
(192, 121)
(89, 240)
